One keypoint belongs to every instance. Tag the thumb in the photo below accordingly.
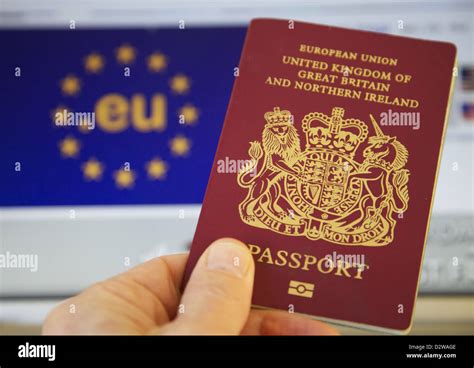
(218, 295)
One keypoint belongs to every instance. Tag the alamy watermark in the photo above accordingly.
(395, 118)
(28, 350)
(77, 118)
(231, 166)
(26, 261)
(347, 260)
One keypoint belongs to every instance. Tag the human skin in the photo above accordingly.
(146, 300)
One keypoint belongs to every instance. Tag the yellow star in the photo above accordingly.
(94, 63)
(180, 145)
(180, 84)
(92, 169)
(189, 113)
(69, 147)
(59, 110)
(157, 62)
(124, 178)
(157, 169)
(125, 54)
(71, 85)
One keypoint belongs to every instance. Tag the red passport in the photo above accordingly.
(326, 168)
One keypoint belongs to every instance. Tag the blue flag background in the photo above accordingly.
(189, 71)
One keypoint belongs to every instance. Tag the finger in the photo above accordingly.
(168, 267)
(262, 322)
(150, 292)
(176, 264)
(217, 297)
(161, 277)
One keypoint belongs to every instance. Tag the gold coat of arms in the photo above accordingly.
(323, 192)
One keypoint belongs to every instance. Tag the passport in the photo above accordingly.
(326, 168)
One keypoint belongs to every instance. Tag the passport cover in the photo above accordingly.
(326, 168)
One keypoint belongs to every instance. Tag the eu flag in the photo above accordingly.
(98, 117)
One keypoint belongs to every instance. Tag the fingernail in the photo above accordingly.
(229, 257)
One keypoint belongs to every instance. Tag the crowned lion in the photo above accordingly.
(269, 166)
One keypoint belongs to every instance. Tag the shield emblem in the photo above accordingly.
(326, 183)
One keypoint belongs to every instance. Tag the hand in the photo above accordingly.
(147, 300)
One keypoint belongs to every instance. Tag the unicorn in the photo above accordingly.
(384, 181)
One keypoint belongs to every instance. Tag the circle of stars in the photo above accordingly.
(156, 168)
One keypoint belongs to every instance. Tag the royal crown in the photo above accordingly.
(278, 117)
(333, 132)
